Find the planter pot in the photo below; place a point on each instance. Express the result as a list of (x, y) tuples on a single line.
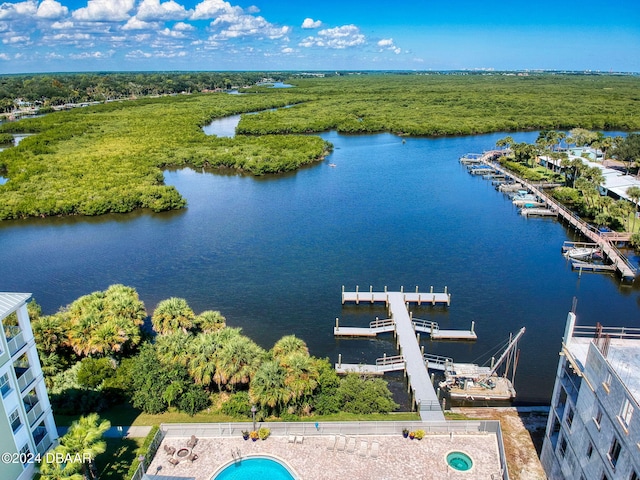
[(405, 434), (246, 437), (254, 439)]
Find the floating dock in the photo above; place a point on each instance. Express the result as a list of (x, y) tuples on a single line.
[(407, 330), (387, 325), (538, 212)]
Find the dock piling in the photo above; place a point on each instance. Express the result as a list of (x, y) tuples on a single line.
[(339, 360), (337, 324), (473, 325)]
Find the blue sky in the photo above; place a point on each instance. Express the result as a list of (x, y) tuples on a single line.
[(91, 35)]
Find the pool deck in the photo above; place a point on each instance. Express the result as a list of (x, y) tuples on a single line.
[(313, 459)]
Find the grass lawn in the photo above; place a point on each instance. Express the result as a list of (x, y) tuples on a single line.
[(126, 415), (114, 463)]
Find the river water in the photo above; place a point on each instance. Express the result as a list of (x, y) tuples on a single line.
[(272, 254)]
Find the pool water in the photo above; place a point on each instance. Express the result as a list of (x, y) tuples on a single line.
[(459, 461), (255, 468)]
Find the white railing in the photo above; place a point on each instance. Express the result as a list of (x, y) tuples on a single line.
[(16, 342), (25, 379), (34, 414), (331, 428)]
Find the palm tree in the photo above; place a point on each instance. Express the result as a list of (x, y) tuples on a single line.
[(171, 315), (80, 333), (201, 358), (48, 332), (287, 345), (173, 348), (634, 195), (210, 321), (52, 470), (84, 439), (236, 361), (268, 387), (301, 374)]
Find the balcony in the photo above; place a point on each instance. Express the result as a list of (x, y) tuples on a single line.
[(41, 439), (15, 338), (33, 407), (25, 377)]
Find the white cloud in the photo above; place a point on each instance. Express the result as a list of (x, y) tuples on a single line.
[(311, 23), (387, 44), (337, 37), (71, 36), (235, 26), (15, 40), (213, 8), (10, 11), (62, 25), (138, 54), (92, 55), (4, 56), (51, 10), (136, 24), (152, 10), (172, 33), (184, 27), (104, 11)]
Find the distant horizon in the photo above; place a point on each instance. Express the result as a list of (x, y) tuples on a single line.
[(336, 72), (57, 36)]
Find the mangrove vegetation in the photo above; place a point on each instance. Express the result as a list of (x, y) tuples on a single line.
[(109, 157)]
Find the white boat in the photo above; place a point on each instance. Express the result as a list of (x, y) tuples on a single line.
[(474, 383), (581, 253)]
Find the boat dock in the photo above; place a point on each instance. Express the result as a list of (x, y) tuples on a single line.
[(622, 265), (420, 326), (591, 267), (411, 358), (538, 212)]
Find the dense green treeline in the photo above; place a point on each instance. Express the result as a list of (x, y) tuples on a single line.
[(95, 353), (456, 105), (61, 88), (108, 158)]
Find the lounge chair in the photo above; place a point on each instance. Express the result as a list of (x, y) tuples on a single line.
[(362, 451), (331, 444), (192, 457), (169, 450), (351, 445), (374, 449), (174, 461), (342, 441), (299, 439), (292, 439), (192, 442)]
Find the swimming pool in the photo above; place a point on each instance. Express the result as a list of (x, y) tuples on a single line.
[(251, 468)]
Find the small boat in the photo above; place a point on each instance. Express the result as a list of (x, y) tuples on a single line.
[(582, 253), (332, 164), (470, 382)]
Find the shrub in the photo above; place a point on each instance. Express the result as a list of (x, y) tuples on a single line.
[(419, 434), (237, 405)]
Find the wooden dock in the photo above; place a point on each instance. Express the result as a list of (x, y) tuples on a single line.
[(407, 330), (592, 267), (622, 265)]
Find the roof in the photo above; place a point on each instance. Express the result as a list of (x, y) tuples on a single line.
[(623, 356), (10, 302)]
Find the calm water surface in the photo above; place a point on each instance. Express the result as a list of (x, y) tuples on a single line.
[(273, 253)]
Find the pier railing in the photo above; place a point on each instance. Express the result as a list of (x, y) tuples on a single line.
[(621, 262), (611, 332)]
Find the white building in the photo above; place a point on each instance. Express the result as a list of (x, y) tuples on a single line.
[(26, 422), (593, 431)]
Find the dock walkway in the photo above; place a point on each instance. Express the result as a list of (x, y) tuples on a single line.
[(621, 263), (412, 359)]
